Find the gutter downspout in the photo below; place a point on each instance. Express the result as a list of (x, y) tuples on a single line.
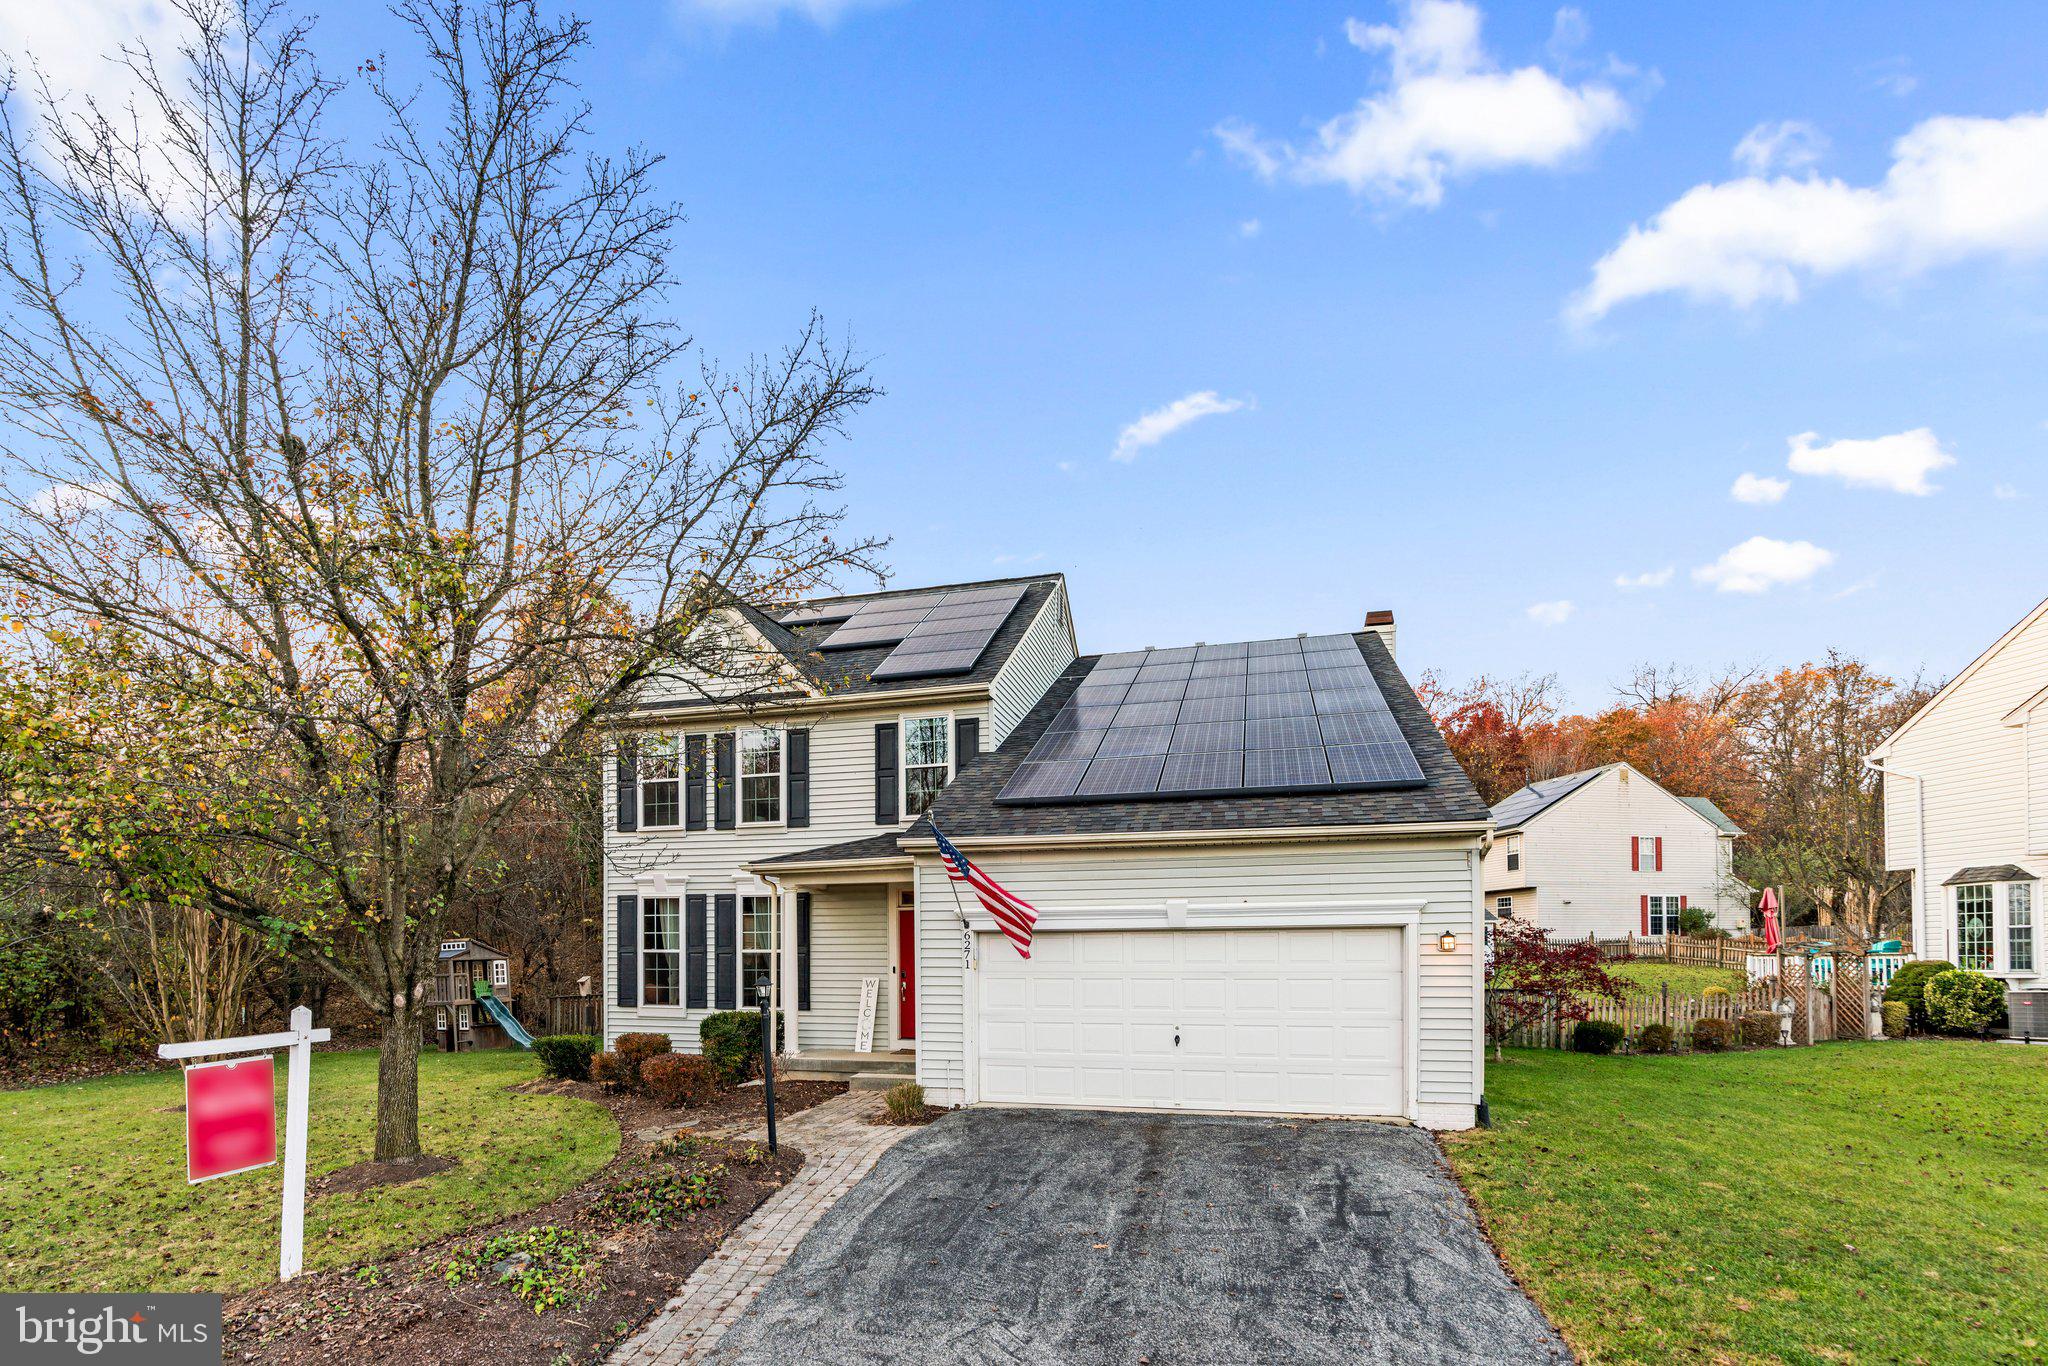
[(1883, 769)]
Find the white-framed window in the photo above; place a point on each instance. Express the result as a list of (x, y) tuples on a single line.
[(757, 948), (2019, 927), (1976, 940), (1504, 907), (462, 1019), (454, 946), (760, 760), (1664, 911), (661, 951), (441, 1021), (661, 781), (1646, 854), (1514, 847), (501, 972), (927, 761)]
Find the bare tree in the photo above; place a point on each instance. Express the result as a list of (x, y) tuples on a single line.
[(371, 465)]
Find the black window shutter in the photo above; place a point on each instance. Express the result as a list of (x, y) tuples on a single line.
[(803, 950), (722, 780), (697, 994), (885, 773), (725, 950), (797, 754), (966, 740), (629, 783), (629, 951), (693, 782)]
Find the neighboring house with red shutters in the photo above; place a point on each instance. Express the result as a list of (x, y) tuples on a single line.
[(1609, 852)]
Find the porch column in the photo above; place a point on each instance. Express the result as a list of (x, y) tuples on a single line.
[(786, 961)]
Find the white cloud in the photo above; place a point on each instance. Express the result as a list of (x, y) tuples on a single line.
[(1651, 578), (1759, 488), (1788, 145), (2006, 493), (1900, 463), (1447, 111), (823, 13), (62, 503), (1552, 613), (1894, 76), (1957, 188), (1154, 427), (1251, 227), (1761, 563)]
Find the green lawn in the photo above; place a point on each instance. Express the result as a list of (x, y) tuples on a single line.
[(93, 1193), (1850, 1202), (1647, 975)]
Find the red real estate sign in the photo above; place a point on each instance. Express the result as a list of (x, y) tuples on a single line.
[(230, 1117)]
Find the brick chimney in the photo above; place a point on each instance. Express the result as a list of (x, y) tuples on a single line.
[(1381, 623)]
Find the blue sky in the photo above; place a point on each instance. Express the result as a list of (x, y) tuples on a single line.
[(1043, 222)]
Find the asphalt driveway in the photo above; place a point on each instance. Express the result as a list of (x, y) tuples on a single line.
[(1039, 1236)]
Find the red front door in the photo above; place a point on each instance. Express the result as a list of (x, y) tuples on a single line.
[(906, 973)]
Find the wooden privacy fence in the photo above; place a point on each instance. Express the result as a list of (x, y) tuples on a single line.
[(1819, 1014), (572, 1015)]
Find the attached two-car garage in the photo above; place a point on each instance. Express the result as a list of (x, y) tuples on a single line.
[(1297, 1020)]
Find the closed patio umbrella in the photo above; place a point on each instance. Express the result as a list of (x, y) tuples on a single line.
[(1769, 906)]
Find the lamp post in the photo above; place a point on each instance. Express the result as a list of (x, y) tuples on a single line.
[(768, 1066)]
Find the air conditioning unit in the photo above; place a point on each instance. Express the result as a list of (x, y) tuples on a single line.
[(2029, 1013)]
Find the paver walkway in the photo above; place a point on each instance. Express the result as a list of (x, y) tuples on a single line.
[(839, 1146)]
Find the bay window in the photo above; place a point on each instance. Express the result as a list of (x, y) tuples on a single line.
[(760, 777), (927, 761), (1974, 937), (661, 951)]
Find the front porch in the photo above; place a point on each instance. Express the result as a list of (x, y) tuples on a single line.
[(841, 969)]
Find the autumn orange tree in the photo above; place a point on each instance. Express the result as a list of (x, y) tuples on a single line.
[(355, 481)]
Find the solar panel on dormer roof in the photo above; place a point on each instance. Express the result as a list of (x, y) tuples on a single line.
[(1303, 714), (934, 633)]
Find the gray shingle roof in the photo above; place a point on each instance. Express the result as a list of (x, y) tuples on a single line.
[(1990, 872), (967, 809), (881, 846), (1713, 813), (844, 672), (1518, 807)]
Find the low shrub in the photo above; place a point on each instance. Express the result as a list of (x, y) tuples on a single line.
[(565, 1057), (732, 1042), (905, 1102), (1656, 1038), (1713, 991), (1713, 1036), (668, 1195), (1909, 985), (677, 1079), (1963, 1002), (1895, 1019), (636, 1049), (608, 1071), (1597, 1036), (1759, 1028), (1694, 921)]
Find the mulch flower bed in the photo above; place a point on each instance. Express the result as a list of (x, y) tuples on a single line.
[(564, 1282)]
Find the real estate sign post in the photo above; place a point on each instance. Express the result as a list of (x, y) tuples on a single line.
[(231, 1117)]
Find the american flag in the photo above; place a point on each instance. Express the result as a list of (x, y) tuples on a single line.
[(1013, 917)]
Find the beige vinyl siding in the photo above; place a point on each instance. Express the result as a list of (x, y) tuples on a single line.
[(1986, 800), (1441, 873), (1575, 854), (849, 941), (1040, 657), (707, 862)]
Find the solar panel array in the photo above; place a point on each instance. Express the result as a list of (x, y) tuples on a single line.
[(1302, 714), (944, 632)]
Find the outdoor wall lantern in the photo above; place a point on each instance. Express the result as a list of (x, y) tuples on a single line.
[(1447, 942)]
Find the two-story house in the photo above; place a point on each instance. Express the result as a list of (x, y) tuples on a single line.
[(1966, 808), (1255, 864), (1608, 852)]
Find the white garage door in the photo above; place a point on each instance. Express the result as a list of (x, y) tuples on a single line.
[(1294, 1021)]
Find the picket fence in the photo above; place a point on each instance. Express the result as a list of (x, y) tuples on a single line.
[(1819, 1013)]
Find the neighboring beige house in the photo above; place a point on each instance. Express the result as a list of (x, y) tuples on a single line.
[(1608, 852), (1966, 808), (1255, 865)]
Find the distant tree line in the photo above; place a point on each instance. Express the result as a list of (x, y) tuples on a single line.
[(1781, 752)]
